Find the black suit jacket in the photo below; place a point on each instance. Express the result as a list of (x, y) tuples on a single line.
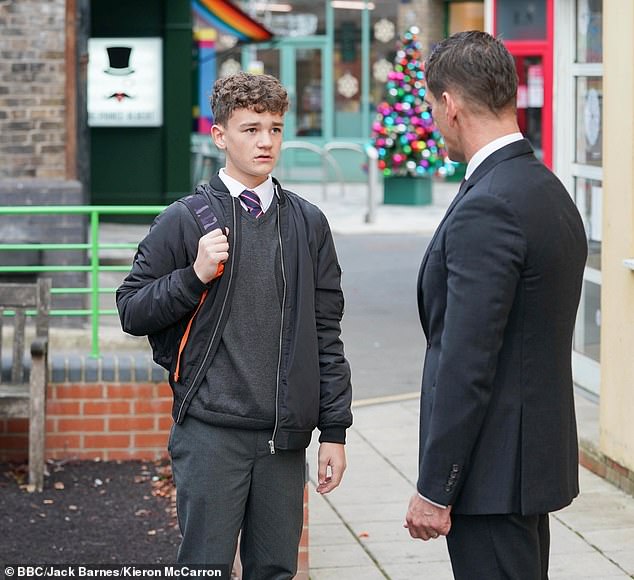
[(498, 292)]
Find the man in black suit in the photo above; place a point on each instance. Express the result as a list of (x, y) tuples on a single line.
[(498, 292)]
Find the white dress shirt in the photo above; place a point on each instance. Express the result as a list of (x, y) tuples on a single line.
[(265, 190)]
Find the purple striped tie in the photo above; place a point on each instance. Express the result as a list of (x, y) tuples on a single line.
[(252, 202)]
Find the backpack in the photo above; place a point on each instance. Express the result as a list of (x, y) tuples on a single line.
[(163, 343)]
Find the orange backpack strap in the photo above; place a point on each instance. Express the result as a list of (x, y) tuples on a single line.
[(199, 207), (185, 336)]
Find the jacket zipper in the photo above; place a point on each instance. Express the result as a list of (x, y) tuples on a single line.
[(279, 356), (213, 336)]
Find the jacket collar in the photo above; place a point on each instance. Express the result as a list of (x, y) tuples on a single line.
[(515, 149), (219, 186)]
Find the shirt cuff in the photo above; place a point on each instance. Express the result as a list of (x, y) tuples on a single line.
[(443, 507)]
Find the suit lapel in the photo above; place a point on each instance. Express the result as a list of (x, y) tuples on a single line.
[(515, 149), (464, 187)]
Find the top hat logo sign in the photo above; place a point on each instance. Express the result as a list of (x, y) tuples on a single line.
[(119, 60)]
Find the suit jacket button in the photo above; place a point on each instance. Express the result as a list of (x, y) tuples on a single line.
[(455, 468), (428, 345), (447, 488)]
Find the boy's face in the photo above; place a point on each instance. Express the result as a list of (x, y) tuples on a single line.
[(251, 142)]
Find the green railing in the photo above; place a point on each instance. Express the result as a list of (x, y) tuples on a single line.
[(92, 248)]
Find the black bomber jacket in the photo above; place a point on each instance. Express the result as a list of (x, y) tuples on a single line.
[(161, 295)]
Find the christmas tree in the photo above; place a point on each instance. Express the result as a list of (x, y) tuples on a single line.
[(404, 133)]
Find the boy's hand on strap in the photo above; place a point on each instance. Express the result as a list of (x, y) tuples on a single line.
[(213, 252)]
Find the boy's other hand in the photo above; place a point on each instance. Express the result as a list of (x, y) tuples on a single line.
[(213, 251), (332, 464)]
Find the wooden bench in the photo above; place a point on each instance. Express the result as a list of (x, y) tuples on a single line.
[(20, 396)]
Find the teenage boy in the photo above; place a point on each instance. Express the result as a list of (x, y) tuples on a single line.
[(247, 319)]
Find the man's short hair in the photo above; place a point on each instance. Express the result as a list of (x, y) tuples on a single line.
[(476, 65), (259, 93)]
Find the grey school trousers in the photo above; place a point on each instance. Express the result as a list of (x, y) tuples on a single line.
[(228, 481)]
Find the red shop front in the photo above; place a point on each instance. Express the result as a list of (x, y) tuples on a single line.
[(526, 27)]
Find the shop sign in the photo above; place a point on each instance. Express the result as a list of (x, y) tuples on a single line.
[(535, 89), (291, 24), (125, 82)]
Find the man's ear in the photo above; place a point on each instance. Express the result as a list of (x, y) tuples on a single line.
[(451, 107), (218, 135)]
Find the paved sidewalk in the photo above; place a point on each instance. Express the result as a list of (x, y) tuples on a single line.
[(357, 531)]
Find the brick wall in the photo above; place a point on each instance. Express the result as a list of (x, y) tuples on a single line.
[(98, 420), (593, 459), (32, 77)]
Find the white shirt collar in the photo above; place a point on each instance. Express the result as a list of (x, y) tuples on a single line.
[(489, 149), (265, 190)]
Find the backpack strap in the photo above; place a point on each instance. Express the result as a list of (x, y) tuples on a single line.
[(201, 211), (204, 216), (206, 219)]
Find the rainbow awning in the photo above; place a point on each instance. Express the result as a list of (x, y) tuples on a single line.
[(225, 16)]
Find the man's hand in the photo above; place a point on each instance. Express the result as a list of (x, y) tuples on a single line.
[(213, 252), (426, 521), (332, 464)]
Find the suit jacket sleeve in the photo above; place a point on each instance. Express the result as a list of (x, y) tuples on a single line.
[(484, 254)]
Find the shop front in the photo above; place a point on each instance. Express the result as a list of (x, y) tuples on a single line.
[(579, 161), (334, 58), (526, 27)]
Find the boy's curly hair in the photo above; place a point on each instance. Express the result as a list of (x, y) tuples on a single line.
[(259, 93)]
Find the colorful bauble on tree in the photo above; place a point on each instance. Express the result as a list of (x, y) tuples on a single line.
[(404, 134)]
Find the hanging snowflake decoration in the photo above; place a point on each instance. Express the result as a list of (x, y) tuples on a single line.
[(226, 41), (229, 67), (381, 69), (384, 30), (347, 85)]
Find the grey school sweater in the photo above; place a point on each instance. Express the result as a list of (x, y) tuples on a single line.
[(239, 387)]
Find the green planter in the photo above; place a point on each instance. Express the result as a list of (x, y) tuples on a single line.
[(458, 175), (407, 190)]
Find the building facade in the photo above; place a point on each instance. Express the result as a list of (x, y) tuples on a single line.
[(575, 62)]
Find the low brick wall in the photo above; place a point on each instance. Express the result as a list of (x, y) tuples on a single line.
[(591, 458), (114, 407), (117, 407), (108, 421)]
